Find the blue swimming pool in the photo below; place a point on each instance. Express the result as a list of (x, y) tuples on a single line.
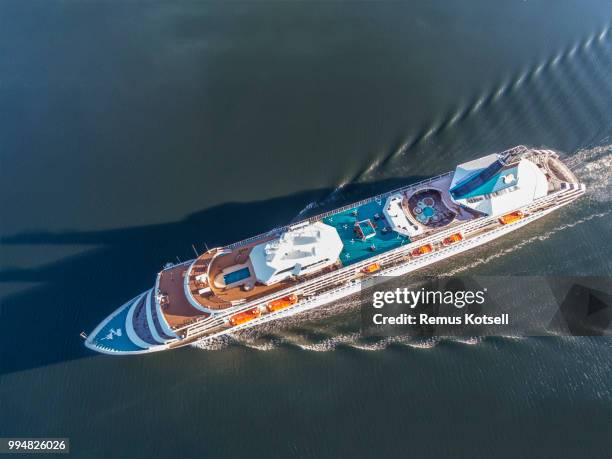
[(474, 188), (236, 276), (366, 228)]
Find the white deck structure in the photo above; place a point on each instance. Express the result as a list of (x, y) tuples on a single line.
[(509, 187), (298, 251), (397, 218)]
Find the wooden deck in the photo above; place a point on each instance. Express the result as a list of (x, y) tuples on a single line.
[(213, 264), (176, 308), (200, 269)]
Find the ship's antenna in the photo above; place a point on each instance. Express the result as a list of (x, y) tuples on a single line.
[(179, 260), (194, 249), (206, 245)]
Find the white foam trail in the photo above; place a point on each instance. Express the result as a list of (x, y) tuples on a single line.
[(573, 51), (371, 168), (328, 344), (309, 206), (429, 133), (355, 341), (501, 91), (352, 341), (590, 154), (455, 117), (367, 172), (378, 345), (402, 149), (602, 35), (593, 167), (477, 105), (215, 344), (407, 341), (519, 81), (266, 346), (334, 195), (326, 200), (471, 341)]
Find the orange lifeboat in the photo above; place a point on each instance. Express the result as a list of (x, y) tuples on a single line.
[(282, 303), (371, 268), (244, 317), (457, 237), (511, 217), (422, 250)]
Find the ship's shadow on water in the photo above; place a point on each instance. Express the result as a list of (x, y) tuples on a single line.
[(41, 324)]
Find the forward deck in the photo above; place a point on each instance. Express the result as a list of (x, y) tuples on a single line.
[(175, 306)]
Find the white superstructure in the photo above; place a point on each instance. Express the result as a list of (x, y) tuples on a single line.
[(493, 187), (397, 217), (297, 251)]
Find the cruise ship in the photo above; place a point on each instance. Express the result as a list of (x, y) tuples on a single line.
[(324, 258)]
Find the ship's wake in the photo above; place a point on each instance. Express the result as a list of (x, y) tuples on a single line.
[(353, 340), (593, 167)]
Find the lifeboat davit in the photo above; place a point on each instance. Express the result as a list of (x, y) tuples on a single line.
[(511, 217), (427, 248), (282, 303), (453, 238), (244, 317)]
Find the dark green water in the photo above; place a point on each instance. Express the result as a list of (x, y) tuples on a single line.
[(130, 130)]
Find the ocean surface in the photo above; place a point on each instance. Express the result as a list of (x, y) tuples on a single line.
[(131, 130)]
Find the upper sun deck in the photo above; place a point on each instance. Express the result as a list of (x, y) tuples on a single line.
[(364, 232), (225, 277)]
